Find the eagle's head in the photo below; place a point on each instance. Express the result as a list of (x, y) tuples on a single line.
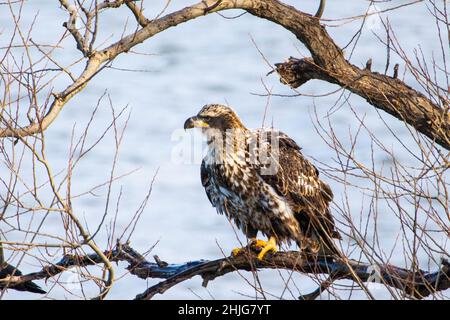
[(215, 116)]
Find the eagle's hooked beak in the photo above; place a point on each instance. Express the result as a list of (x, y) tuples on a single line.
[(195, 122)]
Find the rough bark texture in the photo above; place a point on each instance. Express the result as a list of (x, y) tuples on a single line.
[(328, 63), (415, 283), (8, 271), (383, 92)]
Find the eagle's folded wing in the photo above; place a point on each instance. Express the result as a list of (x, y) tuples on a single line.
[(205, 176), (298, 181)]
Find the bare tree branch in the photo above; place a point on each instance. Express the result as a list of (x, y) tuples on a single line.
[(321, 9), (398, 185), (8, 271), (328, 63), (417, 284), (384, 92)]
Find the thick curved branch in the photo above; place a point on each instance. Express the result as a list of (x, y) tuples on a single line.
[(418, 283), (8, 271), (386, 93), (328, 63), (383, 92), (120, 253), (97, 59)]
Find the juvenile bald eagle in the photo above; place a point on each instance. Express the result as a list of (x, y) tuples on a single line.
[(262, 182)]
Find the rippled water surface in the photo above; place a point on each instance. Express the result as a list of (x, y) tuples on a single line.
[(211, 59)]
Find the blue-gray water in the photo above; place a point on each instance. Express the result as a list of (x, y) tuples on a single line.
[(211, 59)]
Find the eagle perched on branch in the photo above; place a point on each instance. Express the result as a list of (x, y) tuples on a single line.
[(261, 181)]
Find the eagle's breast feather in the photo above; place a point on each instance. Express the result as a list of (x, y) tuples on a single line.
[(288, 202)]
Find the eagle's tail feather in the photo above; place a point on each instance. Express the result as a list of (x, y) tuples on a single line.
[(328, 247), (320, 242), (317, 234)]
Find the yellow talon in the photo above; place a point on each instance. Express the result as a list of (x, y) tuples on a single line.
[(270, 245), (253, 243), (258, 243), (237, 251)]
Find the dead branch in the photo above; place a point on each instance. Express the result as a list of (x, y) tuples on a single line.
[(8, 271), (417, 284), (120, 253), (328, 63), (384, 92)]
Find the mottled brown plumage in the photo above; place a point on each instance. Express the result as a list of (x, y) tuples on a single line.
[(279, 195)]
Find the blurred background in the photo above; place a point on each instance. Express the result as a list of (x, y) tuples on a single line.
[(168, 79)]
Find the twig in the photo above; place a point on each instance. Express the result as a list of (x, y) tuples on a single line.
[(323, 286), (321, 9), (71, 27), (8, 271), (417, 283), (2, 255), (383, 92)]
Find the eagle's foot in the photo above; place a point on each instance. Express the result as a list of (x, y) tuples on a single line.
[(237, 251), (257, 244), (254, 244), (270, 246)]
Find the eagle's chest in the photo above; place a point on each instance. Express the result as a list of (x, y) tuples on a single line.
[(237, 190), (233, 185)]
